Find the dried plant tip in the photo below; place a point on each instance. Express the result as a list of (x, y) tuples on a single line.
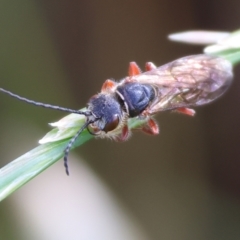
[(198, 37)]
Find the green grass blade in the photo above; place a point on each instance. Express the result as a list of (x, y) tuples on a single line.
[(23, 169)]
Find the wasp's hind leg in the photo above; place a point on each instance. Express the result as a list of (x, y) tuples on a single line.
[(187, 111)]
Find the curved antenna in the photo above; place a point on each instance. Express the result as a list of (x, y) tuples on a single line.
[(87, 113), (71, 142)]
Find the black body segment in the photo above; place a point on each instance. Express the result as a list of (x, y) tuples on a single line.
[(136, 96)]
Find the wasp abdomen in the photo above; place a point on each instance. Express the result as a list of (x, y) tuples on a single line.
[(136, 97)]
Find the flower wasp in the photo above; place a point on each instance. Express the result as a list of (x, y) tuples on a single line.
[(179, 85)]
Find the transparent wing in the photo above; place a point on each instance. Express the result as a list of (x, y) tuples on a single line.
[(189, 81)]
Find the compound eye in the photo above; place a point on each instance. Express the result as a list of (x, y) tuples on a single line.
[(111, 125)]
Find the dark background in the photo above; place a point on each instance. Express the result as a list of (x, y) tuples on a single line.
[(182, 184)]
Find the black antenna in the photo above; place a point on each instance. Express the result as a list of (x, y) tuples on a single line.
[(70, 144), (87, 113)]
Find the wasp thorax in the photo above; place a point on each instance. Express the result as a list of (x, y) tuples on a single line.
[(106, 113), (136, 97)]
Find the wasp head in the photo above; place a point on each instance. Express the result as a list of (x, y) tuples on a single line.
[(107, 115)]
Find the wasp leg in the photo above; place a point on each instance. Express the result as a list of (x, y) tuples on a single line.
[(150, 66), (187, 111), (133, 69), (125, 134), (108, 85), (151, 127)]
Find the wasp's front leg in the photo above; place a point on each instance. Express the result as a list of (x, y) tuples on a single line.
[(108, 86), (124, 135)]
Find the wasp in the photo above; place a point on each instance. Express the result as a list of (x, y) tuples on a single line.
[(178, 86)]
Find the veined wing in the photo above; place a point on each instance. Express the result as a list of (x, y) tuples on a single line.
[(188, 81)]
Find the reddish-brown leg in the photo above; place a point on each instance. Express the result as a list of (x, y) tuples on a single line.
[(133, 69), (150, 66), (108, 84), (124, 135), (187, 111), (151, 127)]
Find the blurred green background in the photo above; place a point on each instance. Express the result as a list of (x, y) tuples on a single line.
[(182, 184)]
